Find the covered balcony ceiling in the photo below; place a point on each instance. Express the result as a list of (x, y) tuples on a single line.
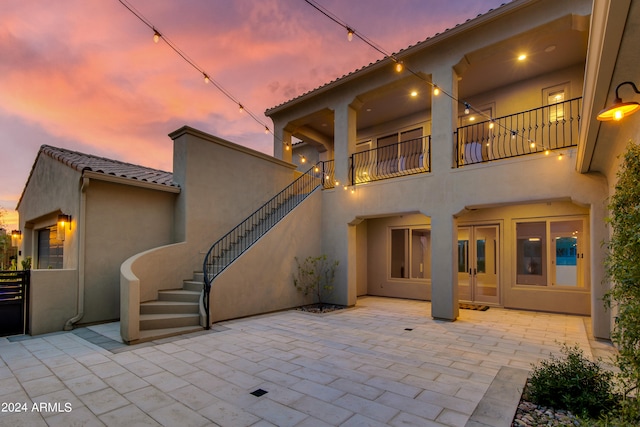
[(553, 46)]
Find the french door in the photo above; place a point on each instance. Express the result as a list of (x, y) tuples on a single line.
[(478, 264)]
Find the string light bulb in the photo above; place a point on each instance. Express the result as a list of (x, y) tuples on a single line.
[(560, 156), (206, 78), (240, 108), (491, 125), (349, 34), (436, 90), (156, 36), (399, 66), (266, 130), (532, 144), (547, 152), (467, 108)]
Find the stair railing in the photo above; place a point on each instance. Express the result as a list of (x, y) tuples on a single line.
[(233, 244)]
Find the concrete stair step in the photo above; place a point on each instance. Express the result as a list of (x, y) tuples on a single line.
[(169, 307), (179, 295), (156, 334), (198, 276), (193, 285), (164, 321)]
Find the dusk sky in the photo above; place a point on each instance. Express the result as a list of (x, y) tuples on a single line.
[(86, 75)]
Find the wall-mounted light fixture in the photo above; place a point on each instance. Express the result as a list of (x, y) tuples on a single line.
[(64, 220), (619, 109), (16, 235)]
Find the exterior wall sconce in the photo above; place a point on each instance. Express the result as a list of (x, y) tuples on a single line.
[(619, 109), (16, 235), (63, 221)]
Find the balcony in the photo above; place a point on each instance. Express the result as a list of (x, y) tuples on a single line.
[(391, 161), (540, 130)]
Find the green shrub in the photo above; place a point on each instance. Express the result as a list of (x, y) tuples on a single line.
[(572, 383), (623, 270)]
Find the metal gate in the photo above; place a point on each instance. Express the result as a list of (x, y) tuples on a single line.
[(14, 299)]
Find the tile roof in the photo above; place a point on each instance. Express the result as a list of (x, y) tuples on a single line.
[(87, 162), (396, 54)]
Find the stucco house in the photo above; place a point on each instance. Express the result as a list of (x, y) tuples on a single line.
[(81, 216), (475, 173)]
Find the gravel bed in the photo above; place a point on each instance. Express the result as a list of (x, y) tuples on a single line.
[(529, 415)]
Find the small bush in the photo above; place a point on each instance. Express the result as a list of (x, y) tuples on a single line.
[(573, 383), (315, 277)]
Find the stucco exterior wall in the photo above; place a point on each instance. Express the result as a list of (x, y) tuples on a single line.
[(121, 221), (222, 183), (53, 189), (52, 299), (559, 299), (377, 258), (261, 280)]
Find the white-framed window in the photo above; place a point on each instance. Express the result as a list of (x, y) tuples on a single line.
[(551, 252), (553, 97), (409, 252)]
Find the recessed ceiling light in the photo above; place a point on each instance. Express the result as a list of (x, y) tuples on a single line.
[(414, 93), (522, 57), (550, 48)]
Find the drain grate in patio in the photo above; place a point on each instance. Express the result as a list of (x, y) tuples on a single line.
[(474, 307), (259, 392)]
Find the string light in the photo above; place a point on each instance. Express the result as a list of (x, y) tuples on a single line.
[(157, 35), (399, 66), (349, 34), (240, 108)]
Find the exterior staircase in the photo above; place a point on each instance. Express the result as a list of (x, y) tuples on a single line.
[(175, 312)]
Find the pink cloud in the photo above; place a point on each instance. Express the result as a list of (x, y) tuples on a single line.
[(86, 75)]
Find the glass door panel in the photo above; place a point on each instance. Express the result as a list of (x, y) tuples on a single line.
[(485, 273), (566, 253), (478, 258), (464, 269)]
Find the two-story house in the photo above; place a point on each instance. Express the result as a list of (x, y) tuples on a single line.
[(468, 168)]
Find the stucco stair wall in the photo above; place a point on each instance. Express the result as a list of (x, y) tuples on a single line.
[(176, 311)]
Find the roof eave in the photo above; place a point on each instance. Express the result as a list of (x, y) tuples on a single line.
[(100, 176), (429, 42)]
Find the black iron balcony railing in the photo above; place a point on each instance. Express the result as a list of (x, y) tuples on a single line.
[(327, 169), (543, 129), (404, 158)]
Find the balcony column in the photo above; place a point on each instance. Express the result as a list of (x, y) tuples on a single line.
[(281, 139), (344, 140), (444, 233)]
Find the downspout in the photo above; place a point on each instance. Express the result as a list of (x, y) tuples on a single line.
[(81, 249)]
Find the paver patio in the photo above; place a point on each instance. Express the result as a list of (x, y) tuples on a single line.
[(383, 362)]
